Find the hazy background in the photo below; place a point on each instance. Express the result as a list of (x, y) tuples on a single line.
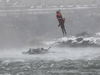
[(25, 23), (20, 27), (46, 2)]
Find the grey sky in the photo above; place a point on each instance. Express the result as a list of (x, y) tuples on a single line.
[(22, 28), (45, 2)]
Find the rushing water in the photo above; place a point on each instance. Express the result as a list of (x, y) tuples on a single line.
[(59, 61), (22, 29)]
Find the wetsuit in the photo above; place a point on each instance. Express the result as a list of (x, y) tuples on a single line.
[(59, 17), (62, 21)]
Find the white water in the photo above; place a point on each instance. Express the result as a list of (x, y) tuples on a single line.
[(55, 54)]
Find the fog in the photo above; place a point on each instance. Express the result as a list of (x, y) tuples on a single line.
[(45, 2), (32, 25), (29, 35), (25, 28), (25, 23), (54, 54)]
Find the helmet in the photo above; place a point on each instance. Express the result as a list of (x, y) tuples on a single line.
[(57, 12)]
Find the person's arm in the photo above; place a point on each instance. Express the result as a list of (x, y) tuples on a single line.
[(64, 20), (59, 25)]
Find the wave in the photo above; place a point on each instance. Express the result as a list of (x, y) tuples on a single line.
[(70, 67), (79, 40)]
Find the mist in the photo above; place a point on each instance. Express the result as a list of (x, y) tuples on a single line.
[(32, 43), (25, 28)]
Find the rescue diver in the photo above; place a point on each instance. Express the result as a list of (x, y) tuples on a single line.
[(61, 22)]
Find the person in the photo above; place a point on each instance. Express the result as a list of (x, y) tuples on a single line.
[(62, 21), (59, 16)]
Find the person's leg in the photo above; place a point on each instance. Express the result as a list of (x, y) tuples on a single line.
[(62, 30), (65, 31), (58, 25), (59, 22)]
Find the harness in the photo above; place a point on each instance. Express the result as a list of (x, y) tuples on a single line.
[(59, 16)]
